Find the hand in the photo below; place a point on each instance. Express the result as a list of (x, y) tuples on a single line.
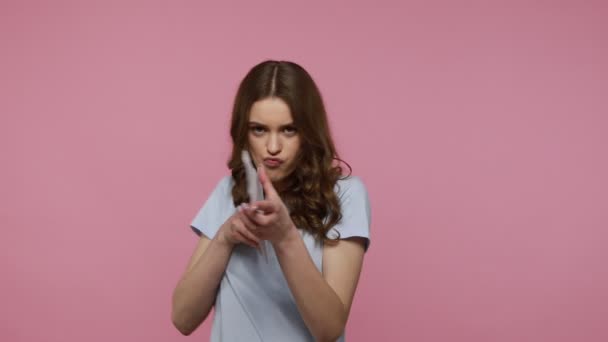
[(268, 219), (234, 231)]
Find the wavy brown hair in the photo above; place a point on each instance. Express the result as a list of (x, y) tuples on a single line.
[(308, 191)]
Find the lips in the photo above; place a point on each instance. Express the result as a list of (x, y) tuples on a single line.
[(273, 162)]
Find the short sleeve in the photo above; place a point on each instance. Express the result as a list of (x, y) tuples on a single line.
[(356, 210), (212, 214)]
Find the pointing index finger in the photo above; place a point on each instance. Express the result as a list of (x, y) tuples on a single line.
[(264, 207)]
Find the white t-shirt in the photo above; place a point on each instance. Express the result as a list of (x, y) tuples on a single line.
[(254, 302)]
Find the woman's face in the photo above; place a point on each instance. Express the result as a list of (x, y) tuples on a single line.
[(273, 139)]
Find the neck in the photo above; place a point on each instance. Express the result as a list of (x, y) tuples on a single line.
[(279, 186)]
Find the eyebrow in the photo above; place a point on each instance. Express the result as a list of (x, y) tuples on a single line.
[(255, 123)]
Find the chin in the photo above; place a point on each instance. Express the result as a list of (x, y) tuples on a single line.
[(275, 176), (275, 179)]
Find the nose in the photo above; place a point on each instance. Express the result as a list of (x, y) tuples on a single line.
[(273, 145)]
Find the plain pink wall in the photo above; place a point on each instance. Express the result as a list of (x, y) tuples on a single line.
[(480, 129)]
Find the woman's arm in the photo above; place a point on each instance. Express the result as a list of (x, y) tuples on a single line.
[(324, 300), (195, 292)]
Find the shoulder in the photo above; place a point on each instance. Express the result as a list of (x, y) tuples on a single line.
[(223, 187), (355, 210), (349, 186), (216, 209), (225, 183), (221, 195)]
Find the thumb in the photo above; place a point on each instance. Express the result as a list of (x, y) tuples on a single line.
[(266, 183)]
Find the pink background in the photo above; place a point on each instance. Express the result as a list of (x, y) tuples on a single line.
[(479, 128)]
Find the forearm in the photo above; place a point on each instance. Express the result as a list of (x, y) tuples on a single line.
[(195, 293), (318, 304)]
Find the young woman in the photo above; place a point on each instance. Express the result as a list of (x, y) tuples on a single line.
[(315, 220)]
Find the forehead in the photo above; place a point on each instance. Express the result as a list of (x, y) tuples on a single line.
[(271, 111)]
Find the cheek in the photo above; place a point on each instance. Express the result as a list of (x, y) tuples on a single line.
[(255, 149), (294, 147)]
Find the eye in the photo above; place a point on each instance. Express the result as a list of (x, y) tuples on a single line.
[(257, 130), (290, 130)]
